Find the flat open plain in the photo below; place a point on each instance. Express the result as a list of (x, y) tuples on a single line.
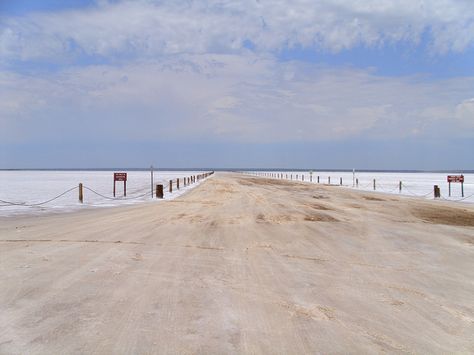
[(242, 265)]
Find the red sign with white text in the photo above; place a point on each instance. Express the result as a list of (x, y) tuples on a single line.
[(120, 176), (456, 178)]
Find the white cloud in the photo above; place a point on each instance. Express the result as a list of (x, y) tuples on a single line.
[(140, 29), (244, 98), (465, 112)]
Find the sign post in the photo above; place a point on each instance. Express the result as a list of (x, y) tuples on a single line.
[(121, 177), (456, 178)]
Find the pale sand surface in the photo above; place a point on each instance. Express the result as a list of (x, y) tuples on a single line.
[(242, 265)]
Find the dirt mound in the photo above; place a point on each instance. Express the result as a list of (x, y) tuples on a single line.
[(443, 215), (264, 182)]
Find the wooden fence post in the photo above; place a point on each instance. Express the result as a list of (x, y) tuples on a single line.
[(374, 184), (177, 184), (436, 191), (159, 191), (340, 181), (81, 193), (399, 186), (171, 186)]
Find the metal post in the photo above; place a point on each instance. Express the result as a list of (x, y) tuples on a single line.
[(462, 189), (449, 183)]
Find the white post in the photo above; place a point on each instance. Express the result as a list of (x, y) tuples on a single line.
[(151, 176)]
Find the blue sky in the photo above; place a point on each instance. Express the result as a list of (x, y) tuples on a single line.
[(372, 84)]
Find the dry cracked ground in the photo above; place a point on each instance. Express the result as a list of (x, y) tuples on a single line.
[(242, 265)]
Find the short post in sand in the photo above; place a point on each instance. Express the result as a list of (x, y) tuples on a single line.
[(171, 186), (81, 193), (318, 179), (357, 182), (177, 184), (374, 184), (329, 180), (400, 187), (436, 191), (340, 181), (159, 191)]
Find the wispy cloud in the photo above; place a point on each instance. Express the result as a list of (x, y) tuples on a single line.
[(234, 98), (138, 29)]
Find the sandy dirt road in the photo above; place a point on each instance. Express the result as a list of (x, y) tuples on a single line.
[(242, 265)]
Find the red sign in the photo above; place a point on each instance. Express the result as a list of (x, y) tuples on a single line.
[(456, 178), (120, 176)]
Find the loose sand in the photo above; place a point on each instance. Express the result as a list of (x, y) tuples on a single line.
[(242, 265)]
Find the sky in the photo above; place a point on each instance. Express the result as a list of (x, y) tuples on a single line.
[(328, 84)]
